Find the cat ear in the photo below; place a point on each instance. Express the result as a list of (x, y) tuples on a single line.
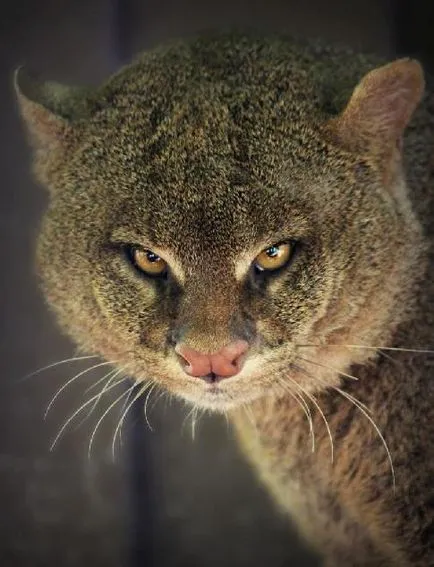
[(48, 108), (380, 108)]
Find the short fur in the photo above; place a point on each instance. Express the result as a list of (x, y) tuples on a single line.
[(208, 151)]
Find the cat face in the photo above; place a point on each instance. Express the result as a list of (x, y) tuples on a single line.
[(168, 217)]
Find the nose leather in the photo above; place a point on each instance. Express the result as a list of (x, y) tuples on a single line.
[(224, 363)]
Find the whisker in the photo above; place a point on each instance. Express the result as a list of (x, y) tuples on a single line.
[(328, 368), (114, 373), (193, 422), (124, 405), (154, 385), (92, 437), (304, 406), (377, 429), (108, 382), (62, 388), (53, 364), (98, 382), (187, 415), (71, 417), (365, 412), (396, 349), (225, 413), (126, 410), (167, 401), (249, 412), (300, 368), (321, 412), (161, 394), (250, 419), (384, 355)]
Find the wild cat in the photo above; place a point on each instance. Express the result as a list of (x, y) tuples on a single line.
[(246, 221)]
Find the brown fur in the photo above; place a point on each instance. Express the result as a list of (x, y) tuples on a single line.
[(206, 150)]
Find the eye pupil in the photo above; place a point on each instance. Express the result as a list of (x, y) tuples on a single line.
[(152, 257), (272, 252)]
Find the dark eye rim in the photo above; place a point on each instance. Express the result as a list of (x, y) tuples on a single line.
[(295, 248), (129, 250)]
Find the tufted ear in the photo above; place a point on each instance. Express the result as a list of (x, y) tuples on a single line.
[(380, 108), (48, 108)]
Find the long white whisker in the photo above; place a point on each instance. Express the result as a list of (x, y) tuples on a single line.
[(110, 381), (62, 388), (98, 382), (126, 410), (193, 422), (167, 401), (146, 405), (301, 369), (304, 406), (113, 373), (124, 405), (187, 415), (365, 412), (318, 407), (396, 349), (161, 394), (71, 417), (328, 367), (249, 412), (53, 364), (250, 419), (92, 437), (375, 426), (227, 421)]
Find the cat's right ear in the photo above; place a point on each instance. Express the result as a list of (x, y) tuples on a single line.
[(50, 112), (379, 110), (48, 108)]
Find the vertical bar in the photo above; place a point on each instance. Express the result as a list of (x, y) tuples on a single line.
[(142, 502)]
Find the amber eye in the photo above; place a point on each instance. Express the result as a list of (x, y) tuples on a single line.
[(274, 257), (147, 261)]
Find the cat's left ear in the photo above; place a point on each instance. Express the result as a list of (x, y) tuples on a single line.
[(48, 109), (380, 109)]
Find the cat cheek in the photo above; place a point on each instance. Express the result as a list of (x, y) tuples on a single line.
[(156, 335)]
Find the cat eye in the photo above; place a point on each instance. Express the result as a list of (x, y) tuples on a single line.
[(274, 257), (147, 261)]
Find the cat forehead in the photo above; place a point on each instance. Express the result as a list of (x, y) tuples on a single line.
[(212, 223), (207, 161), (205, 108), (208, 215), (211, 200)]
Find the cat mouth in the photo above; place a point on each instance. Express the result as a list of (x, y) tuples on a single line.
[(213, 379), (217, 396), (213, 396), (217, 392)]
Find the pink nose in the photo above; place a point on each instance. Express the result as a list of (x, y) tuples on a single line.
[(222, 364)]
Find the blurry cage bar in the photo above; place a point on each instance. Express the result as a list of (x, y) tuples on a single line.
[(142, 503)]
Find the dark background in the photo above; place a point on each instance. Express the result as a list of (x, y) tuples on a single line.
[(164, 499)]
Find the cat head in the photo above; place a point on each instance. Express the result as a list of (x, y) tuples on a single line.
[(207, 218)]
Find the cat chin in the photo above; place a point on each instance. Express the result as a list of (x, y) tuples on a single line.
[(217, 400)]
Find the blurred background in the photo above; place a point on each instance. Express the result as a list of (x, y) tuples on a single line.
[(162, 499)]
